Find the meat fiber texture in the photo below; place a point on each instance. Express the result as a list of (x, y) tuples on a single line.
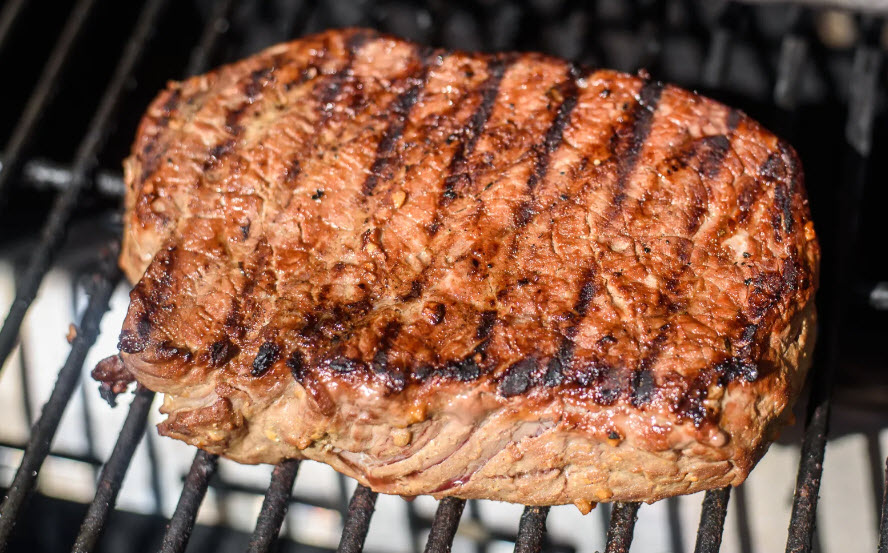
[(484, 276)]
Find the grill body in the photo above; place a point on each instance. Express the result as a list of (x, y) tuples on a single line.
[(83, 73)]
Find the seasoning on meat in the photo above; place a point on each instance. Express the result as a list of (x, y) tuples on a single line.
[(484, 276)]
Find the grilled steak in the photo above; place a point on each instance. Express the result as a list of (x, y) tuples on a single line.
[(486, 276)]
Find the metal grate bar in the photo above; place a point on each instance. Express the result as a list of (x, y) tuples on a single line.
[(444, 527), (225, 486), (793, 53), (622, 525), (134, 427), (274, 507), (883, 525), (44, 91), (531, 530), (712, 521), (217, 25), (357, 521), (45, 428), (10, 13), (179, 530), (804, 508), (67, 455), (54, 230), (114, 470)]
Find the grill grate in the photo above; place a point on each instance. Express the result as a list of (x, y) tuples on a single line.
[(499, 25)]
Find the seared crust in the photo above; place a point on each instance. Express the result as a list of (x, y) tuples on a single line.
[(499, 277)]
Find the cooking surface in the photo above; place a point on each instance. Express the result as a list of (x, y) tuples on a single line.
[(789, 69)]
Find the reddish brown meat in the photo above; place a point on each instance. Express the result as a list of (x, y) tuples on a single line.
[(498, 276)]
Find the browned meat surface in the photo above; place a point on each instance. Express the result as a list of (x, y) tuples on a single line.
[(484, 276)]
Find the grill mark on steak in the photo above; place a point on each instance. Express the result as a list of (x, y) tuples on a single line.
[(327, 90), (628, 141), (395, 380), (151, 154), (563, 358), (150, 296), (456, 173), (551, 142), (642, 385), (398, 114)]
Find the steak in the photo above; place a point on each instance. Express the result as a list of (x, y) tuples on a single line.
[(485, 276)]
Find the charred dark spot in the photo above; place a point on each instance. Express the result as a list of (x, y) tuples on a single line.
[(360, 307), (613, 435), (518, 377), (607, 339), (318, 194), (607, 396), (733, 119), (415, 290), (783, 205), (774, 168), (589, 374), (488, 319), (232, 120), (380, 361), (268, 354), (560, 363), (464, 370), (292, 171), (167, 351), (135, 342), (641, 389), (343, 365), (587, 292), (297, 365), (245, 231), (439, 311), (218, 152), (523, 281), (257, 80), (735, 369), (553, 376), (222, 352), (524, 214)]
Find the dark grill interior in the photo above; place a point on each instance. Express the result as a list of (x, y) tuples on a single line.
[(78, 76)]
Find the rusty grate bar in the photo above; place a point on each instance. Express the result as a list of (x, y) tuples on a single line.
[(44, 91), (357, 521), (274, 507), (63, 207), (10, 13), (43, 431), (622, 525), (861, 111), (712, 521), (179, 530), (532, 530), (134, 427), (113, 472), (444, 527), (883, 523)]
